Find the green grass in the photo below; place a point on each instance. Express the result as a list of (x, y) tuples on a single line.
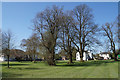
[(89, 69)]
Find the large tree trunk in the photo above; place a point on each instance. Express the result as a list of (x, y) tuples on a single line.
[(81, 56), (51, 58), (8, 60), (81, 59), (30, 58), (115, 58), (34, 58), (115, 55), (69, 49), (70, 58)]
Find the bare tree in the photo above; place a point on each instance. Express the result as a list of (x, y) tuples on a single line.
[(25, 44), (110, 33), (46, 44), (85, 29), (31, 45), (66, 32), (7, 44), (34, 43), (49, 21)]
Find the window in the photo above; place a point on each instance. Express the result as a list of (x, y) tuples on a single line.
[(77, 54), (77, 57)]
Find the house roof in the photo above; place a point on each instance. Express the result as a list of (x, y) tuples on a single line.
[(17, 52), (104, 53)]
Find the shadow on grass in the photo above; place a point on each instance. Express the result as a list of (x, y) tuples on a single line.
[(87, 63), (10, 75), (20, 68), (14, 64), (33, 68)]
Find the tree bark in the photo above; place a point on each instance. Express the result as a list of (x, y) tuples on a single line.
[(34, 58), (81, 57), (53, 58), (70, 58), (115, 56), (31, 59), (8, 61)]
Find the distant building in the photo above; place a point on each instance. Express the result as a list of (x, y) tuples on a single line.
[(2, 57), (105, 55), (63, 57), (86, 56), (13, 55)]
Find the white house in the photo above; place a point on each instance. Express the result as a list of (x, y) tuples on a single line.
[(1, 57), (86, 56), (105, 55)]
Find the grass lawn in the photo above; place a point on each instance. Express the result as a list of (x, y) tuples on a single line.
[(89, 69)]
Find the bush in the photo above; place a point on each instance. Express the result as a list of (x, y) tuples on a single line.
[(73, 58)]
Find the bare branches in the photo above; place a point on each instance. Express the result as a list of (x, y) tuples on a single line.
[(107, 28), (7, 43), (7, 40), (31, 45), (48, 24), (85, 28)]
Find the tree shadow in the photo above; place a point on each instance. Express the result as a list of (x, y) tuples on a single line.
[(10, 75), (33, 68), (14, 64), (20, 68), (87, 63)]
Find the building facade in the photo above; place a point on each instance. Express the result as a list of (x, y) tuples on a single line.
[(105, 55), (86, 56)]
